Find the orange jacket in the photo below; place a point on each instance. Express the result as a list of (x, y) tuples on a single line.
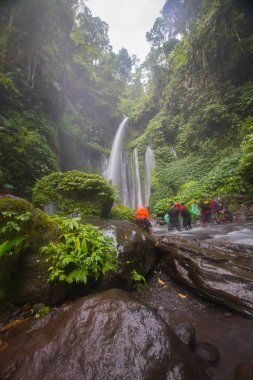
[(141, 212)]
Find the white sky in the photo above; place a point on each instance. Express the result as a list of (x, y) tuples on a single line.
[(128, 21)]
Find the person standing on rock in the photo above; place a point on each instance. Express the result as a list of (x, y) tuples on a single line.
[(215, 208), (186, 215), (205, 211), (174, 222), (141, 218)]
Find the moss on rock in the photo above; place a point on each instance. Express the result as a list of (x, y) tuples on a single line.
[(74, 191), (24, 272)]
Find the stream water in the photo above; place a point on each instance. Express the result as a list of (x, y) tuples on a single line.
[(234, 233)]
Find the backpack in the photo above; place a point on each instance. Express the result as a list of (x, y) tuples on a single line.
[(167, 218)]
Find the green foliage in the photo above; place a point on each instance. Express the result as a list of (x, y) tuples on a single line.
[(190, 190), (42, 312), (161, 206), (138, 279), (121, 212), (200, 95), (29, 155), (74, 191), (82, 253), (246, 159), (226, 176), (22, 224), (7, 245)]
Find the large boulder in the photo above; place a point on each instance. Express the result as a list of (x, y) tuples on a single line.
[(223, 274), (24, 273), (110, 335), (136, 251)]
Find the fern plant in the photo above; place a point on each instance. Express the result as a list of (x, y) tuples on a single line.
[(81, 253)]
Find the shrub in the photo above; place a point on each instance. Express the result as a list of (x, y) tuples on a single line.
[(121, 212), (18, 219), (74, 191), (161, 207), (81, 253)]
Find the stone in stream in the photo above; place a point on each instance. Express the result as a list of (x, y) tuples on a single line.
[(207, 353), (186, 333), (110, 335), (221, 273)]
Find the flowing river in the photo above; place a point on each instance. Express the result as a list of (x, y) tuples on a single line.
[(235, 233)]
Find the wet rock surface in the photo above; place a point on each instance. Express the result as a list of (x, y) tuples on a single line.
[(186, 333), (136, 251), (24, 278), (229, 332), (207, 353), (110, 335), (220, 273)]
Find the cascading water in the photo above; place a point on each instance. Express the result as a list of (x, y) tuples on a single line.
[(104, 165), (149, 165), (124, 173), (114, 171), (173, 151), (137, 177)]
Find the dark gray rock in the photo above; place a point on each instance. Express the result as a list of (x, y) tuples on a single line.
[(186, 333), (166, 316), (207, 353), (221, 273), (110, 335), (24, 277), (136, 251)]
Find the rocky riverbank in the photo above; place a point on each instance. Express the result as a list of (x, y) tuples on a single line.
[(229, 332)]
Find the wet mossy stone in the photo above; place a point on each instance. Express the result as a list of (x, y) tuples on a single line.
[(186, 333), (24, 273), (207, 353), (75, 192)]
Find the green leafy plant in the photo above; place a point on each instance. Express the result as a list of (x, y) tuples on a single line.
[(138, 279), (82, 252), (121, 212), (7, 245), (75, 191), (14, 220), (42, 312)]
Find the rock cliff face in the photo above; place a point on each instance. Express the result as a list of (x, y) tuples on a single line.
[(221, 273), (109, 335)]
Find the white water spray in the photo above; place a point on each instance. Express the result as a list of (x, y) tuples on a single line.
[(137, 176), (115, 162), (149, 165)]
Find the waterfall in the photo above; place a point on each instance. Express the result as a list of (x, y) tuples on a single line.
[(115, 163), (124, 173), (104, 165), (137, 177), (173, 151), (149, 165), (125, 180)]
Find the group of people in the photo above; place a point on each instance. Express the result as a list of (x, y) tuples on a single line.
[(179, 216), (204, 211)]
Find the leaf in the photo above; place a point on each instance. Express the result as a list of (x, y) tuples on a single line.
[(84, 247), (182, 295), (3, 345), (7, 245), (161, 282), (13, 324)]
